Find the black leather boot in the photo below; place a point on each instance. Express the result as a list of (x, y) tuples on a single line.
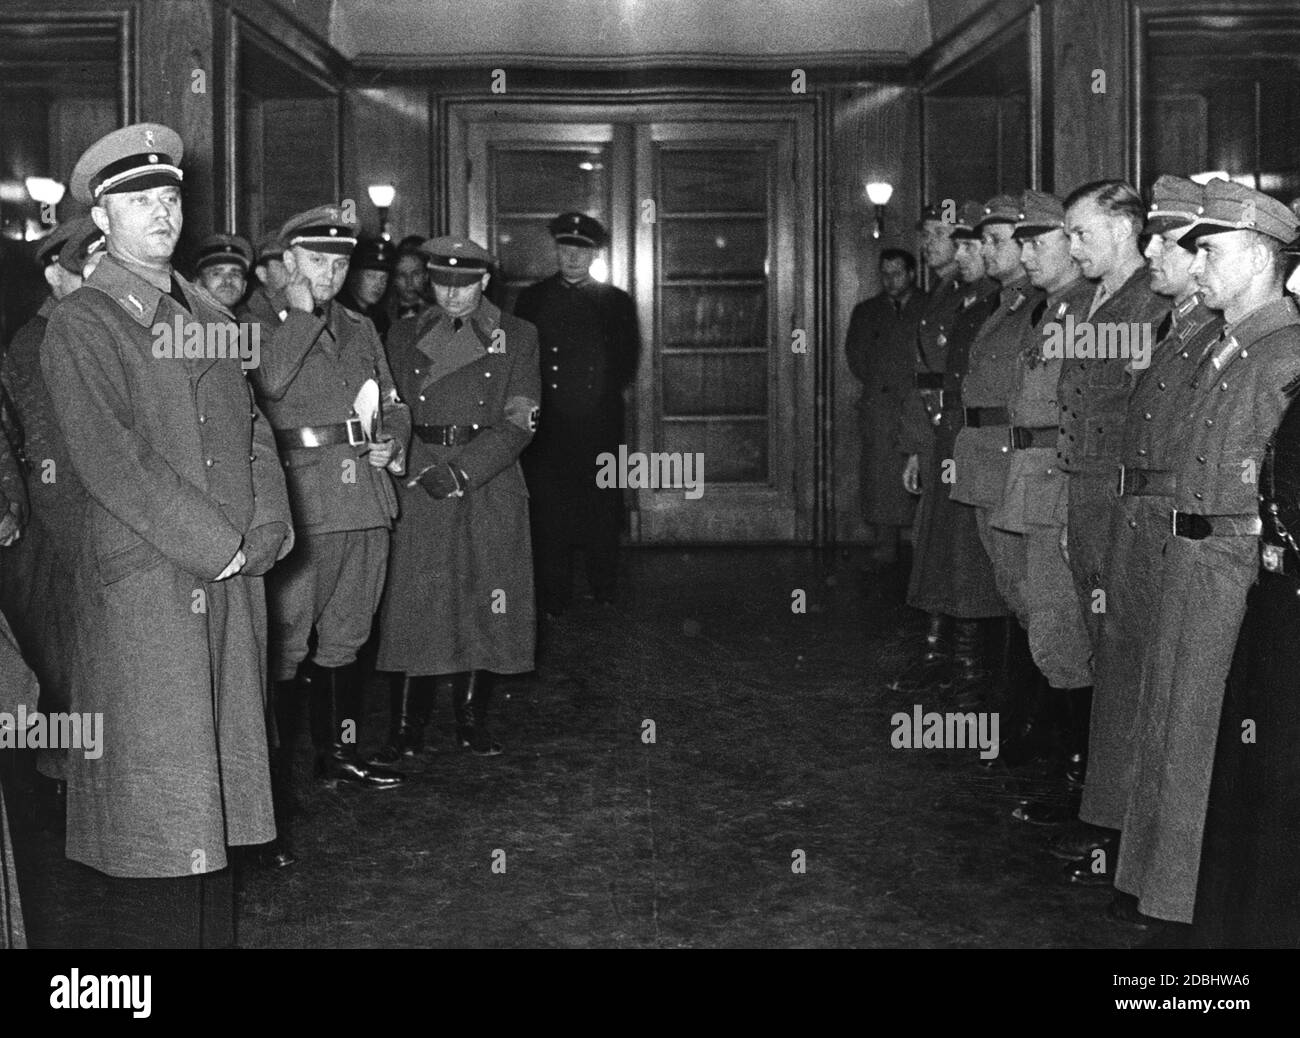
[(457, 686), (410, 700), (478, 697), (336, 701), (285, 698), (1072, 707), (971, 680), (933, 668), (1027, 711)]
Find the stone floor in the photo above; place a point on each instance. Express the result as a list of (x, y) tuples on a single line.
[(771, 736)]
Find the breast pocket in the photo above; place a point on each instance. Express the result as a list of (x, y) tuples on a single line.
[(1102, 436)]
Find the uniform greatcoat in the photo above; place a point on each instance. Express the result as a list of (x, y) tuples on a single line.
[(951, 572), (460, 590), (1139, 528), (881, 346), (1242, 388), (1093, 400), (181, 472)]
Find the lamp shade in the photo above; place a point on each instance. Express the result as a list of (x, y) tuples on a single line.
[(382, 195), (880, 192), (45, 190)]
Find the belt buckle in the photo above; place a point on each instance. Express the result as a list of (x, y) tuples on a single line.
[(1271, 557), (1173, 522), (1119, 489), (359, 438)]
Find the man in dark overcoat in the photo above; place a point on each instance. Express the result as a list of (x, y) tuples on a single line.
[(459, 606), (187, 511), (1242, 387), (589, 345), (881, 349)]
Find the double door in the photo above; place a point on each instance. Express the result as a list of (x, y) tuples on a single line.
[(709, 220)]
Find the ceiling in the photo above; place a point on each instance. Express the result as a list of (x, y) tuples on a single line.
[(609, 31)]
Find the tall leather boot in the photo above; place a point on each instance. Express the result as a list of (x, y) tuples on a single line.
[(971, 680), (285, 700), (1073, 706), (478, 697), (410, 700), (933, 668), (1027, 710), (336, 700)]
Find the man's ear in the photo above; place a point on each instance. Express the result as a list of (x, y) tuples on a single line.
[(483, 282), (290, 262), (100, 215), (52, 277), (261, 272)]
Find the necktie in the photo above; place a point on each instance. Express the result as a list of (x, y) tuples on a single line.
[(1037, 315), (457, 324), (1165, 325)]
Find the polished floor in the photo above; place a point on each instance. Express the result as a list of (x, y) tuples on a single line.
[(771, 736)]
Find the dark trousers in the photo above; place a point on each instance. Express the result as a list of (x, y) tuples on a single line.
[(177, 912), (569, 515)]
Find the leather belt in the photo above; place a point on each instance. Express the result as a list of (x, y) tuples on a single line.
[(1195, 527), (982, 417), (1145, 483), (929, 380), (349, 432), (447, 435), (1025, 437)]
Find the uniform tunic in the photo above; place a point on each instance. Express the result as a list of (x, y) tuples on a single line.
[(1093, 399), (312, 366), (37, 570), (1248, 894), (921, 406), (460, 595), (881, 350), (1243, 387), (951, 572), (590, 345), (1034, 504), (181, 472), (982, 456), (1139, 528)]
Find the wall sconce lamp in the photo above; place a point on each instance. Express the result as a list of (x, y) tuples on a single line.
[(44, 190), (880, 192), (382, 195)]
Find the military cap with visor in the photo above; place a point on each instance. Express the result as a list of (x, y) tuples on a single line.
[(69, 244), (134, 158), (269, 247), (1231, 207), (327, 228), (578, 229), (454, 261), (224, 248), (969, 215), (999, 209), (1175, 202), (1039, 213), (374, 254)]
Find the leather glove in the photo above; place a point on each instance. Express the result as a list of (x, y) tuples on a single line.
[(442, 480), (262, 548)]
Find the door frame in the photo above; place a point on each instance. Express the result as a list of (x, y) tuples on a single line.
[(805, 419)]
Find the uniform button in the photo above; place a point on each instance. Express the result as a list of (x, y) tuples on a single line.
[(421, 399), (555, 367), (202, 418), (1133, 524), (1160, 385), (1244, 354), (555, 349), (481, 404), (1199, 496), (554, 386), (1049, 470), (487, 374), (1224, 387), (1005, 450), (1201, 458), (417, 371), (252, 457), (1209, 421), (1146, 415), (1183, 355), (1142, 452), (209, 463)]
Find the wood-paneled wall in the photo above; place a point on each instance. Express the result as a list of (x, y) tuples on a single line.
[(386, 141)]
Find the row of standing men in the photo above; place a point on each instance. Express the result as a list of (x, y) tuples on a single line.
[(165, 486), (1129, 502)]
